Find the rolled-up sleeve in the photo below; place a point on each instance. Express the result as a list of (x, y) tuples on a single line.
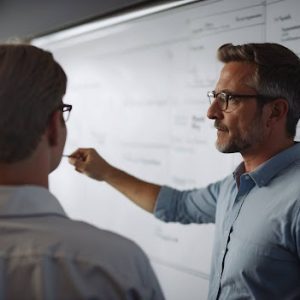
[(296, 227), (191, 206)]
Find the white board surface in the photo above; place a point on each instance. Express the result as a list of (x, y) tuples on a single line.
[(139, 94)]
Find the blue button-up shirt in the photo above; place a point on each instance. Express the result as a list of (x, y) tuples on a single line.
[(257, 238)]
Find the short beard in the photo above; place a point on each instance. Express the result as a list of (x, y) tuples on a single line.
[(234, 146), (243, 142)]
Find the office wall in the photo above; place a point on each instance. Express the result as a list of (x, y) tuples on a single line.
[(139, 95)]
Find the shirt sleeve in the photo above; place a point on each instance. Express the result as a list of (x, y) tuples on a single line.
[(297, 231), (149, 287), (191, 206)]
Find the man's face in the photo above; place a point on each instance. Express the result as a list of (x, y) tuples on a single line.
[(240, 129)]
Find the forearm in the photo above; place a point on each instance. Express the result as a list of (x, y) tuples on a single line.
[(89, 162), (142, 193)]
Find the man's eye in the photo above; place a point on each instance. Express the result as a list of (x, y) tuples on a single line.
[(233, 100), (221, 98)]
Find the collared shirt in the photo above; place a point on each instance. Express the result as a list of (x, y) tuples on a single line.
[(46, 255), (257, 237)]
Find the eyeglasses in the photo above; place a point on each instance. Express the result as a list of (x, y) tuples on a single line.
[(228, 102), (66, 110)]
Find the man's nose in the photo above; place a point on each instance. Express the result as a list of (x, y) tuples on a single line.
[(214, 111)]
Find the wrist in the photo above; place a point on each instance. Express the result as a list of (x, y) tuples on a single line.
[(109, 174)]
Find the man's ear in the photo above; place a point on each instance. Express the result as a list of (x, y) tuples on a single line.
[(52, 129), (279, 109)]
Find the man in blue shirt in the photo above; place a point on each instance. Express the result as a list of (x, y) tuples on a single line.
[(255, 107)]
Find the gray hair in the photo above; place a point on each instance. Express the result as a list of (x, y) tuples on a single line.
[(277, 74)]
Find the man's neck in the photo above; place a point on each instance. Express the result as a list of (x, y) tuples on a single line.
[(255, 157), (9, 177), (31, 171)]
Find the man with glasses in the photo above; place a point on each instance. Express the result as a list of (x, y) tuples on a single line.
[(43, 253), (255, 108)]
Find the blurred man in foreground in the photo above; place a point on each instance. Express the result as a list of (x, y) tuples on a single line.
[(45, 254)]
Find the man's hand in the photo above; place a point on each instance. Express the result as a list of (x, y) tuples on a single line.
[(90, 163)]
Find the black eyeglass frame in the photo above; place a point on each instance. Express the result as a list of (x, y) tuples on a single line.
[(212, 96), (66, 108)]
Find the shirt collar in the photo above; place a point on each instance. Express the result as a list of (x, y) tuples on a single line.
[(270, 168), (21, 201)]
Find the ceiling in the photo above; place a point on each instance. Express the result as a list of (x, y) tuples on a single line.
[(24, 19)]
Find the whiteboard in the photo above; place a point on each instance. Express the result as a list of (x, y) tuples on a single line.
[(138, 90)]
